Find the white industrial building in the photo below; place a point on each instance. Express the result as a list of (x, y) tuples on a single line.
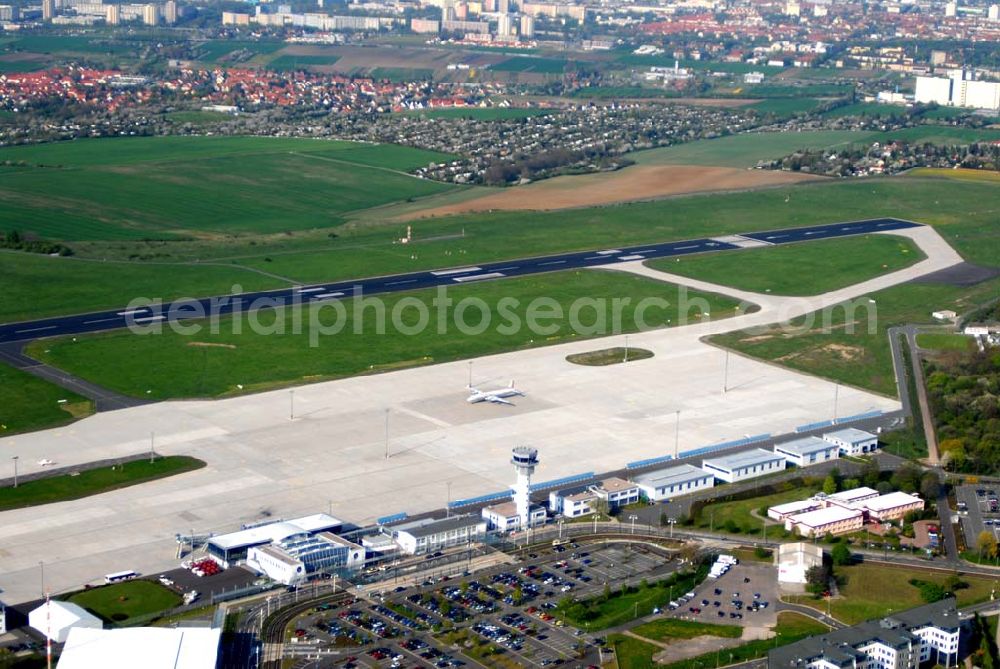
[(853, 441), (893, 506), (829, 520), (807, 451), (745, 465), (232, 549), (54, 619), (843, 512), (780, 512), (672, 482), (505, 517), (148, 647), (296, 558), (579, 501), (794, 560), (430, 535), (959, 89), (851, 497)]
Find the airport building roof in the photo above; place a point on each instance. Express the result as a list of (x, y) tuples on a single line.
[(890, 501), (821, 517), (754, 456), (662, 478), (441, 525), (149, 647), (852, 495), (276, 531), (615, 484), (804, 446), (796, 507), (851, 435)]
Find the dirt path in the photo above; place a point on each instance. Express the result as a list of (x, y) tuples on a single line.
[(639, 182)]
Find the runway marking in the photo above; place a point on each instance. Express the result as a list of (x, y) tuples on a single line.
[(646, 251), (848, 229), (596, 258), (816, 232), (632, 257), (311, 290), (132, 311), (100, 320), (685, 248), (609, 252), (775, 236), (397, 283), (423, 416), (506, 269), (882, 225), (448, 272), (551, 262), (148, 318), (477, 277), (326, 296), (47, 327)]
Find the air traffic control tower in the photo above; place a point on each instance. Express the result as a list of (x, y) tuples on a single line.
[(525, 460)]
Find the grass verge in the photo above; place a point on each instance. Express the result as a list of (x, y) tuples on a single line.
[(609, 356), (30, 403), (121, 602)]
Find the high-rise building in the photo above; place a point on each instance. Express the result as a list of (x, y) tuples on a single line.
[(503, 6), (993, 13), (958, 90), (505, 26), (170, 12), (113, 15), (951, 8), (525, 460), (48, 9), (9, 13), (151, 14), (527, 26)]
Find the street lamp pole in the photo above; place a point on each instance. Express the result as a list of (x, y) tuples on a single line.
[(14, 458), (632, 517), (677, 434), (387, 433)]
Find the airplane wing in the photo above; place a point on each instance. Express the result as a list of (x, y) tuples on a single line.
[(498, 400)]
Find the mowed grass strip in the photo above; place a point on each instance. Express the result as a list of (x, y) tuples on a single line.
[(741, 512), (66, 487), (943, 341), (780, 270), (667, 629), (745, 150), (29, 403), (207, 365), (120, 602)]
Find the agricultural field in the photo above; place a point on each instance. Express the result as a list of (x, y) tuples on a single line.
[(300, 62), (778, 270), (208, 365), (785, 106), (145, 189), (29, 403), (616, 92), (215, 50), (944, 341), (866, 109), (401, 73), (746, 150), (121, 602)]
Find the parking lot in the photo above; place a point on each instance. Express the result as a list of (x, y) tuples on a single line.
[(448, 622), (979, 509), (746, 595)]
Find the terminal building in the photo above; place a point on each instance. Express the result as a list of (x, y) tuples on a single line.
[(926, 635), (744, 465), (580, 501), (673, 482), (232, 549), (299, 557), (425, 536), (150, 647), (853, 441), (807, 451)]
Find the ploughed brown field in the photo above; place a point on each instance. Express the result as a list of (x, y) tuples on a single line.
[(638, 182)]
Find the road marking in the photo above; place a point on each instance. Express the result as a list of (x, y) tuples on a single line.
[(646, 251), (882, 225), (632, 257), (447, 272), (506, 269), (311, 290), (847, 229), (148, 318), (685, 248), (477, 277), (775, 236), (397, 283), (132, 311), (595, 258), (551, 262), (47, 327), (817, 232), (100, 320), (609, 252), (326, 295)]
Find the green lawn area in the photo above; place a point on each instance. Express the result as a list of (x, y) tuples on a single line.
[(779, 269), (872, 591), (299, 62), (258, 186), (531, 64), (866, 109), (214, 50), (960, 175), (725, 516), (934, 341), (940, 134), (401, 73), (29, 403), (189, 368), (600, 612), (745, 150), (635, 654), (65, 487), (785, 106), (122, 601), (611, 92), (668, 628), (823, 344)]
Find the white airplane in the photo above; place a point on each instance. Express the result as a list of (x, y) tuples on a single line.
[(494, 396), (45, 462)]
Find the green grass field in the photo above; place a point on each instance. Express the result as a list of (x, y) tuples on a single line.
[(401, 73), (779, 269), (137, 189), (872, 591), (214, 50), (531, 64), (785, 106), (945, 342), (740, 512), (632, 653), (299, 62), (29, 403), (120, 602), (866, 109), (64, 487), (746, 150), (612, 92), (665, 629), (205, 365)]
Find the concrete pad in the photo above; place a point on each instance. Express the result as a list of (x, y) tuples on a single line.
[(332, 457)]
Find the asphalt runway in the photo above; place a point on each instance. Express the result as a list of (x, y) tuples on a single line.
[(186, 309)]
